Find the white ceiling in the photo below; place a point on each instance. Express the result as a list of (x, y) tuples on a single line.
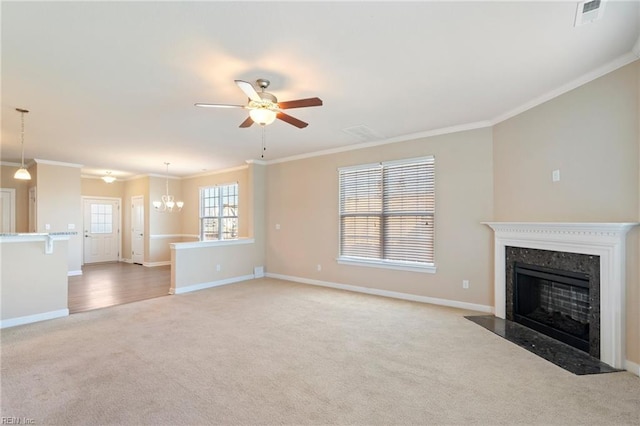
[(111, 85)]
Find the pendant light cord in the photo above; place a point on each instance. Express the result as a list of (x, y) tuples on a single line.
[(22, 113), (167, 179)]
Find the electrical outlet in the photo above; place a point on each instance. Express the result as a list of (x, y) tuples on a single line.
[(319, 267), (465, 283), (218, 268), (47, 226), (277, 226), (555, 175)]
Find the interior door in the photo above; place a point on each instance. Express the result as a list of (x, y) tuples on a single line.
[(101, 230), (32, 209), (137, 229), (7, 210)]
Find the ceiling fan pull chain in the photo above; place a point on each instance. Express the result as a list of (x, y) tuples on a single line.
[(264, 143)]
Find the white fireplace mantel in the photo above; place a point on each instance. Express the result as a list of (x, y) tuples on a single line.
[(606, 240)]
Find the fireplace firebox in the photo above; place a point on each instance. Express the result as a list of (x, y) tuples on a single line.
[(554, 302)]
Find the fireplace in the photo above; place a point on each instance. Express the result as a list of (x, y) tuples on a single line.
[(554, 302), (556, 293), (605, 241)]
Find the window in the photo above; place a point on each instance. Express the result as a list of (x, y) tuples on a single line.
[(101, 218), (219, 212), (387, 214)]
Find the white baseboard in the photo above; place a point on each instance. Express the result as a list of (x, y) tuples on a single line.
[(126, 260), (632, 367), (12, 322), (152, 264), (210, 284), (74, 273), (387, 293)]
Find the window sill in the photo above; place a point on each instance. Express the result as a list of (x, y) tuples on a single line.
[(386, 264)]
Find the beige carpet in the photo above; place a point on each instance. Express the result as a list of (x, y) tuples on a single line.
[(274, 352)]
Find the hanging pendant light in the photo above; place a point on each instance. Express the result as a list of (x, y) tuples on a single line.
[(168, 204), (22, 173)]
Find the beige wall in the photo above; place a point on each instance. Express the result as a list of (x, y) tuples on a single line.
[(302, 197), (633, 292), (59, 204), (256, 211), (196, 264), (592, 135), (191, 193), (22, 195), (91, 187), (32, 282)]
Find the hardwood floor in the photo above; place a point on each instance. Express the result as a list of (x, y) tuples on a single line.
[(109, 284)]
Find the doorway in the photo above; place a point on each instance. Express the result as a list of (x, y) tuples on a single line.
[(101, 229), (7, 210), (32, 209), (137, 229)]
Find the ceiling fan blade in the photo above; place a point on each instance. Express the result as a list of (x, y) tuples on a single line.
[(300, 103), (248, 90), (218, 106), (247, 123), (292, 120)]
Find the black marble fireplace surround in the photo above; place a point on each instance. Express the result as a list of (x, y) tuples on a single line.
[(575, 264)]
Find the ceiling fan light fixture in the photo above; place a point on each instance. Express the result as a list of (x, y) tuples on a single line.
[(264, 107), (262, 116)]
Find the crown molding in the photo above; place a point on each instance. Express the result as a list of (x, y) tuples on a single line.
[(259, 162), (403, 138), (217, 172), (57, 163), (12, 164), (619, 62), (163, 176)]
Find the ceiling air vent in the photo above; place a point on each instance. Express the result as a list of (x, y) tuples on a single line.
[(589, 11), (363, 133)]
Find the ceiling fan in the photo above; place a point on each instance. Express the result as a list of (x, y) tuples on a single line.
[(264, 108)]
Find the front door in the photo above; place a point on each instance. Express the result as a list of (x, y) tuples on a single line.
[(101, 230), (137, 229)]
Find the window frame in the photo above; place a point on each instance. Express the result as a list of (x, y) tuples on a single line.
[(220, 208), (428, 267)]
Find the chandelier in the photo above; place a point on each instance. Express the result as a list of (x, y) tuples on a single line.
[(22, 173), (168, 204)]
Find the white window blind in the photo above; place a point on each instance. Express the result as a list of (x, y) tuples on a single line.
[(387, 211)]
